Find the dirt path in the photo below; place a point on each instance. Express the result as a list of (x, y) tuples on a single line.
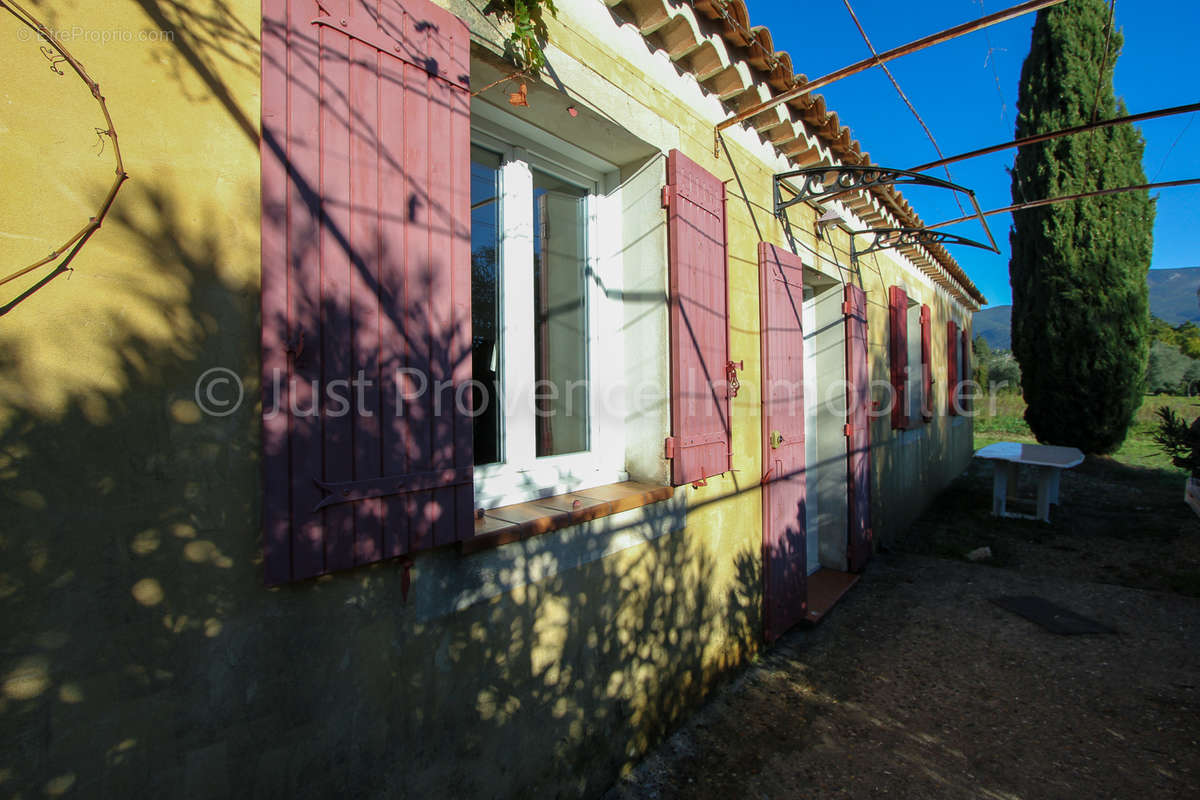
[(917, 686)]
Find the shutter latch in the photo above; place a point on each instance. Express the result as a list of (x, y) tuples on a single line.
[(731, 371)]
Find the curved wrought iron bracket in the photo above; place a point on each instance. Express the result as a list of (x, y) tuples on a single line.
[(823, 183), (907, 237)]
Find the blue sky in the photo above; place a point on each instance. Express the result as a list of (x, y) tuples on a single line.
[(966, 91)]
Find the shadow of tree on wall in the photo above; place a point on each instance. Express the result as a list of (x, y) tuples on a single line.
[(143, 655), (207, 38), (116, 490)]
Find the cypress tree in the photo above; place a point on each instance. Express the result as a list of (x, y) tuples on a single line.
[(1080, 312)]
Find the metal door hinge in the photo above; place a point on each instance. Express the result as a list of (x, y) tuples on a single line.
[(670, 447), (666, 197), (731, 371), (848, 429)]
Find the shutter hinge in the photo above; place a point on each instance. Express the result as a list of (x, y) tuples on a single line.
[(670, 447), (406, 564), (294, 345), (666, 197), (731, 371), (846, 307), (847, 429)]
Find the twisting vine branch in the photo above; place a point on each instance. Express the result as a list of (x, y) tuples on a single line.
[(56, 53)]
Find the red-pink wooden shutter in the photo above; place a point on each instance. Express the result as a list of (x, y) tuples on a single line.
[(926, 365), (366, 282), (858, 429), (699, 443), (785, 564), (898, 331), (966, 362), (951, 367)]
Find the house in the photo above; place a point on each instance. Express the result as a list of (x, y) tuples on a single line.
[(414, 428)]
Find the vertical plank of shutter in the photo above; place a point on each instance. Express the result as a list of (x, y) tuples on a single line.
[(708, 311), (395, 328), (337, 251), (966, 362), (277, 532), (898, 307), (441, 307), (699, 320), (354, 215), (460, 276), (719, 316), (304, 261), (785, 494), (419, 283), (365, 289), (951, 366), (675, 331), (926, 364)]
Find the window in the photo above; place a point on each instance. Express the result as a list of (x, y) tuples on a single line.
[(953, 366), (962, 367), (485, 302), (909, 352), (964, 360), (914, 380), (539, 318)]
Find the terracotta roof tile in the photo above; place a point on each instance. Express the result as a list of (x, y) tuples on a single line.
[(714, 40)]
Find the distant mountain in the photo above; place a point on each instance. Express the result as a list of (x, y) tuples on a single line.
[(1173, 295), (1172, 298), (994, 325)]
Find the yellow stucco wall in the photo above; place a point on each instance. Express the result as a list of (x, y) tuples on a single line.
[(142, 653)]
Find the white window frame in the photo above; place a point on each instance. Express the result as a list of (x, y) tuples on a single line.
[(521, 476), (812, 485)]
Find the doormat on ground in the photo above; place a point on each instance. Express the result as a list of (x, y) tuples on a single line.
[(1055, 619)]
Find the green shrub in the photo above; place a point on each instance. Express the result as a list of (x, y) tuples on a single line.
[(1166, 369), (1179, 440)]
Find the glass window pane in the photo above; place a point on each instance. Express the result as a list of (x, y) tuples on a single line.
[(485, 302), (915, 372), (560, 315)]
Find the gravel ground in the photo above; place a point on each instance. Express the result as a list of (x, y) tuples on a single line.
[(917, 686)]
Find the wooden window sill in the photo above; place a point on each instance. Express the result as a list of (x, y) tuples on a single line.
[(513, 523)]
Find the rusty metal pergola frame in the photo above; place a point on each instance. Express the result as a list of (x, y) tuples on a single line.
[(821, 183), (1066, 197), (1045, 137), (882, 58)]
